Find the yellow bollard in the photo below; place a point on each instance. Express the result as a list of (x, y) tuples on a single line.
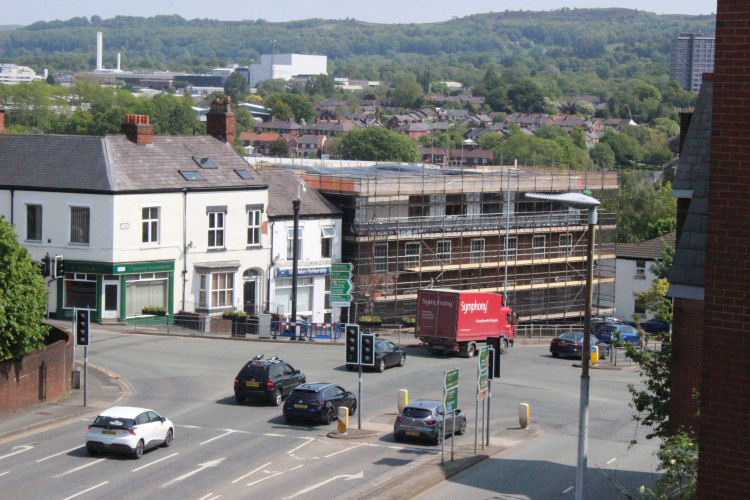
[(403, 399), (523, 415), (594, 355), (343, 419)]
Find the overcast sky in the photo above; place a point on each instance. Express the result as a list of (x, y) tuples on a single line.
[(377, 11)]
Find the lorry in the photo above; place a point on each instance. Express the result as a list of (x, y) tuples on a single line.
[(460, 321)]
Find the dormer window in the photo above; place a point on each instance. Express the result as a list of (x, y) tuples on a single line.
[(204, 162)]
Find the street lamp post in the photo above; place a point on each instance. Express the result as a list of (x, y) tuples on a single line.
[(295, 257), (507, 226), (581, 201)]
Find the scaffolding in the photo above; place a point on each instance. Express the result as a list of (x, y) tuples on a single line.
[(408, 227)]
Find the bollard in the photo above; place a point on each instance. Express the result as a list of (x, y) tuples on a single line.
[(343, 423), (523, 415), (594, 354), (403, 399)]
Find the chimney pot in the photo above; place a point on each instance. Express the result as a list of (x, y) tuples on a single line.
[(137, 129), (220, 119)]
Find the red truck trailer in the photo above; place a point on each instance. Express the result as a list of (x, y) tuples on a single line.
[(460, 321)]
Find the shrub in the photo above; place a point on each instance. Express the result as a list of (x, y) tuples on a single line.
[(155, 310), (234, 315)]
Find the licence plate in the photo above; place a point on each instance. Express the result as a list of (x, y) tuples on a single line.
[(412, 433), (300, 406), (252, 384), (111, 433)]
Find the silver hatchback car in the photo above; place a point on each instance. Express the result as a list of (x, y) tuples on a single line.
[(125, 429), (424, 419)]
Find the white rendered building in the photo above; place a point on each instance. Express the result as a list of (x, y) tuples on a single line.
[(286, 67)]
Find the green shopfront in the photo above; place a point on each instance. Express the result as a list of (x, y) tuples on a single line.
[(115, 291)]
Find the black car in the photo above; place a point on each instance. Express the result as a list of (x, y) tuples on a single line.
[(654, 326), (386, 354), (270, 379), (318, 402), (571, 344)]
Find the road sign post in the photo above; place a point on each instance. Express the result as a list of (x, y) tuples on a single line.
[(450, 403)]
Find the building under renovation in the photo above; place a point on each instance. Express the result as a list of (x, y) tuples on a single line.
[(410, 227)]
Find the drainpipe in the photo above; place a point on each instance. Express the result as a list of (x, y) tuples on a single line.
[(184, 246), (270, 270)]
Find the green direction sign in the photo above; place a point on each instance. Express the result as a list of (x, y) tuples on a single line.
[(484, 358), (340, 275), (451, 378), (341, 287), (340, 298), (451, 399), (342, 267)]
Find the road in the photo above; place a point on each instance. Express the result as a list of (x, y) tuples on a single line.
[(224, 450)]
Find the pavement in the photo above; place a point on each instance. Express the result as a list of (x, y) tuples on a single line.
[(105, 389)]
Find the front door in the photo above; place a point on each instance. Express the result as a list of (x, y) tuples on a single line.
[(111, 300), (249, 297)]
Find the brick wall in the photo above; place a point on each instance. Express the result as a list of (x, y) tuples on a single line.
[(724, 435), (687, 340), (43, 375)]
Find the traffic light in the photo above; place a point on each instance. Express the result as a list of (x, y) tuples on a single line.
[(45, 266), (367, 347), (352, 344), (82, 327), (494, 371), (58, 271)]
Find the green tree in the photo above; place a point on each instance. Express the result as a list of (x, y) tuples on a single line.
[(282, 111), (602, 155), (23, 298), (279, 148), (301, 109), (236, 87), (526, 97), (378, 144), (321, 85), (408, 94)]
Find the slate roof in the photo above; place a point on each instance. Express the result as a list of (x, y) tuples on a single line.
[(282, 190), (647, 250), (113, 164), (687, 276)]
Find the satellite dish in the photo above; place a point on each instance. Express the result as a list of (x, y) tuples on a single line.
[(573, 200)]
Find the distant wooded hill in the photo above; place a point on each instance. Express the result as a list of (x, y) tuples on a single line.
[(565, 38)]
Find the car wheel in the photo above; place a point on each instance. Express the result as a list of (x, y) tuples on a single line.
[(606, 353), (398, 437), (275, 397), (239, 398), (138, 451), (353, 409), (381, 366), (461, 428), (330, 416), (168, 438), (91, 449), (555, 354), (471, 350), (439, 438), (503, 346), (403, 361)]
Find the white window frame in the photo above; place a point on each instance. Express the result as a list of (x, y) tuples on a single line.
[(217, 290), (476, 251), (511, 247), (380, 258), (443, 256), (39, 212), (412, 258), (538, 252), (640, 269), (216, 232), (150, 224), (566, 245), (290, 243), (326, 241), (254, 223), (85, 237)]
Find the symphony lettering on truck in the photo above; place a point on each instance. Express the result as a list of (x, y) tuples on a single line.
[(474, 306)]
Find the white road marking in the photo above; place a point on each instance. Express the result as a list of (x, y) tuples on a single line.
[(86, 491), (212, 463), (566, 490), (78, 468), (206, 497), (251, 472), (273, 475), (345, 477), (19, 449), (229, 431), (274, 435), (191, 427), (58, 454), (154, 462), (4, 473), (342, 451), (611, 461), (309, 440)]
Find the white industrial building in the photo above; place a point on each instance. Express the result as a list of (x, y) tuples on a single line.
[(286, 67), (11, 74)]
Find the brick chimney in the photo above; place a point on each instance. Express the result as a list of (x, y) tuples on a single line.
[(220, 119), (137, 129), (2, 119)]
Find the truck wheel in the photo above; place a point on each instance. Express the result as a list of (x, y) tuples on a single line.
[(503, 345), (471, 350)]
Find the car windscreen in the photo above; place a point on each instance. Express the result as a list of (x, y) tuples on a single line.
[(417, 412), (124, 423), (254, 372), (571, 336), (607, 329), (306, 394)]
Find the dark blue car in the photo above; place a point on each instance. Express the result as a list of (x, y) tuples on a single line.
[(654, 325), (318, 402), (610, 332)]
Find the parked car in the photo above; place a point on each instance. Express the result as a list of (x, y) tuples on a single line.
[(609, 332), (654, 326), (386, 354), (571, 344), (270, 379), (318, 402), (601, 319), (424, 419), (124, 429)]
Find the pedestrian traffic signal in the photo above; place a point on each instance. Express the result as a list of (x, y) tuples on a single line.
[(82, 327), (367, 344), (45, 266), (495, 343), (58, 270), (352, 344)]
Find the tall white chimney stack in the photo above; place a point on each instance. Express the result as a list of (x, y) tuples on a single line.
[(99, 50), (118, 61)]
